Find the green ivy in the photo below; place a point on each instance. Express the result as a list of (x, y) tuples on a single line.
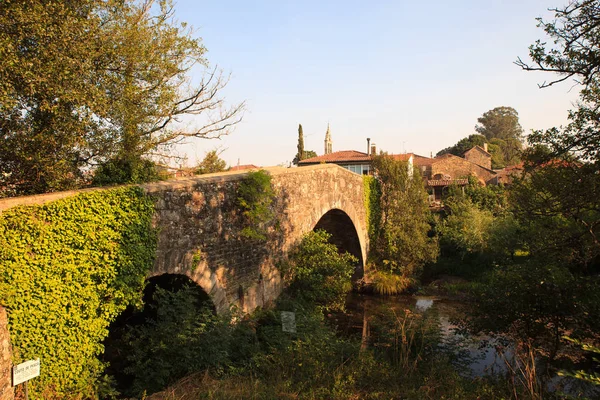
[(67, 269), (255, 196), (372, 194)]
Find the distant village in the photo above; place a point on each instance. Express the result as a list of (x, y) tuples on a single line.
[(439, 173)]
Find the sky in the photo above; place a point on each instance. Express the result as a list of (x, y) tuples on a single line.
[(413, 76)]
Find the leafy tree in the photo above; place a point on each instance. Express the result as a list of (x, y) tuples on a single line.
[(309, 154), (401, 244), (574, 52), (560, 197), (95, 82), (463, 145), (466, 230), (211, 164), (500, 123), (499, 128)]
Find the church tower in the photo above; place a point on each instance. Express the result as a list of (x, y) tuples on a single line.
[(328, 144)]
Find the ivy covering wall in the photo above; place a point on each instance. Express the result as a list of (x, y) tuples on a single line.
[(67, 269), (372, 193)]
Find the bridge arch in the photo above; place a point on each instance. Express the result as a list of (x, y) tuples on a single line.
[(344, 235)]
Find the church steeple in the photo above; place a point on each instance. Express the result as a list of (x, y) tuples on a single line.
[(328, 143)]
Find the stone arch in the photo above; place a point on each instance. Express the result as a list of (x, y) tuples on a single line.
[(173, 282), (343, 234), (207, 279)]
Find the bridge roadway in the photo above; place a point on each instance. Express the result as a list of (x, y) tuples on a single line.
[(199, 222)]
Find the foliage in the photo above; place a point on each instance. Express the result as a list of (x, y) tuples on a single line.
[(372, 194), (560, 197), (178, 336), (90, 81), (255, 197), (499, 128), (586, 376), (386, 283), (317, 273), (466, 230), (534, 303), (500, 123), (211, 164), (463, 145), (302, 154), (67, 269), (492, 198), (126, 170), (402, 244), (573, 52)]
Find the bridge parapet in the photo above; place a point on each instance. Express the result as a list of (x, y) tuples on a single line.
[(199, 222)]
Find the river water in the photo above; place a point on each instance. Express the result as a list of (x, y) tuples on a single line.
[(473, 355)]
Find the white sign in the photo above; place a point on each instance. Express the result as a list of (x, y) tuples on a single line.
[(288, 321), (25, 371)]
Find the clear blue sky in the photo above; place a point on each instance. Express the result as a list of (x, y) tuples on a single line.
[(413, 76)]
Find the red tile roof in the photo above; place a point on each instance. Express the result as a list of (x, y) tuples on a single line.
[(338, 157)]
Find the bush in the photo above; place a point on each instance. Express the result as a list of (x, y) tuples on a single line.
[(255, 197), (126, 170), (67, 269), (317, 273), (178, 337)]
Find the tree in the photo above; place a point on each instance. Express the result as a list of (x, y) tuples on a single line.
[(500, 123), (302, 154), (402, 245), (211, 164), (463, 145), (94, 82), (573, 53)]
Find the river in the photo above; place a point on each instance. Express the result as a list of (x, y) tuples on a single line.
[(437, 317)]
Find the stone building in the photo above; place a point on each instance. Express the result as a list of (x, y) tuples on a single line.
[(479, 155)]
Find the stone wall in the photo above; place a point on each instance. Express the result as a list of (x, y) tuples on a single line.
[(199, 229), (479, 156), (6, 390), (457, 167)]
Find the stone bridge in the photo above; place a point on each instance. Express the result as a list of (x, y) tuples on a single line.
[(199, 222)]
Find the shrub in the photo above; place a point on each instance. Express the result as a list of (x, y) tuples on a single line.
[(255, 197), (317, 273)]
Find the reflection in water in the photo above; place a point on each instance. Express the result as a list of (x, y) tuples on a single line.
[(473, 355)]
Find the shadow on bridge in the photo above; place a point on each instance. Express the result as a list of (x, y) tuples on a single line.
[(344, 235)]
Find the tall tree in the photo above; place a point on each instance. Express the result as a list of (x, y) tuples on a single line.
[(94, 81), (500, 123), (574, 52), (402, 245), (300, 154)]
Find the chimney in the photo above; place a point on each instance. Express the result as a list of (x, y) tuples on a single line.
[(368, 145), (485, 146), (373, 149)]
